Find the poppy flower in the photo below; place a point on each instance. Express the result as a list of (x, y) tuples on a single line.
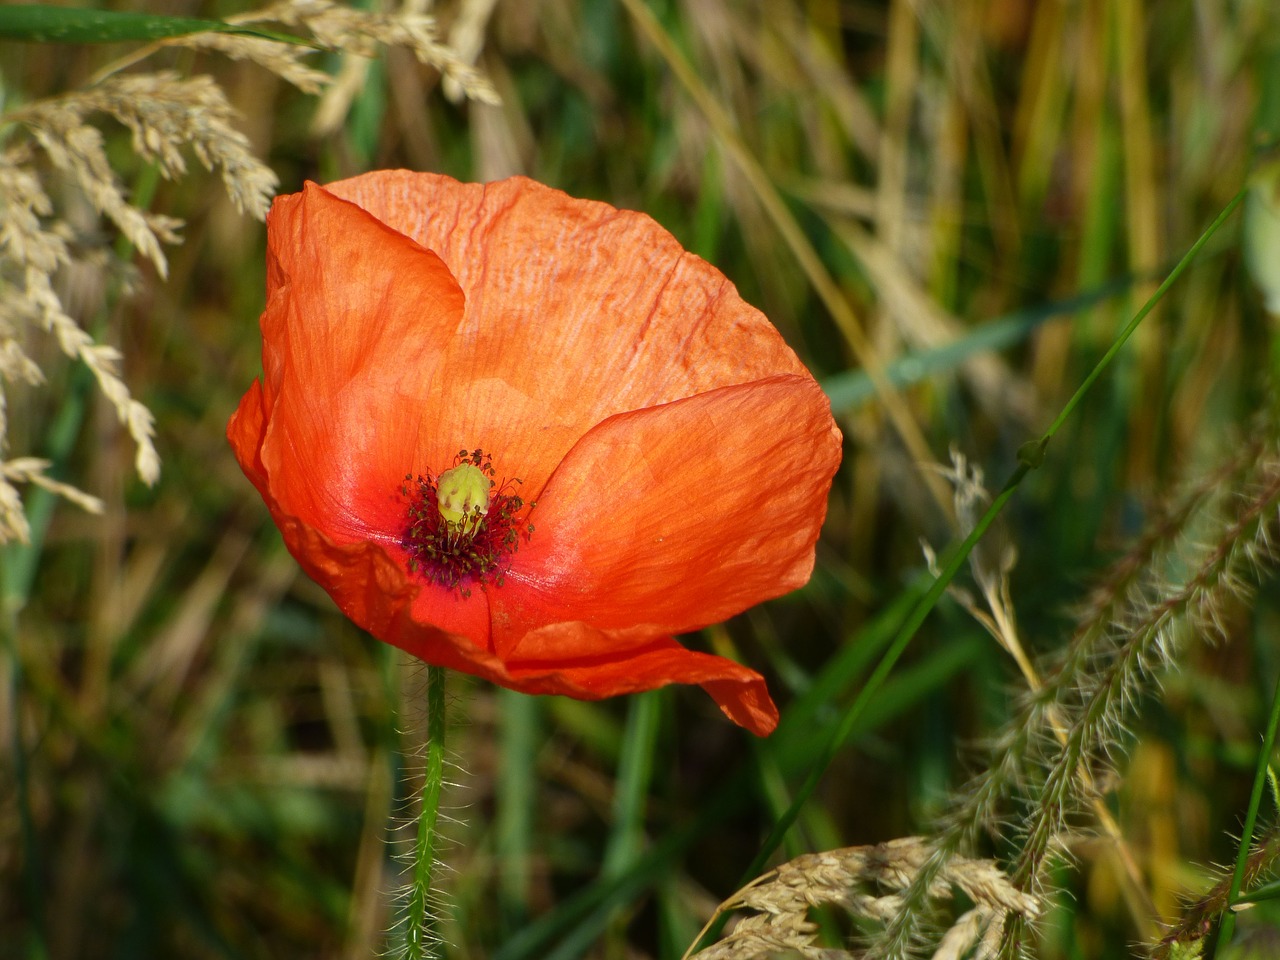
[(529, 437)]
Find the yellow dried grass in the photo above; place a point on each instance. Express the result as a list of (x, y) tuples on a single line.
[(167, 115), (867, 882)]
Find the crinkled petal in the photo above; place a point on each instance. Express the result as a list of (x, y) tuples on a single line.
[(679, 452), (357, 322), (577, 309), (667, 519), (740, 692), (373, 590), (369, 580)]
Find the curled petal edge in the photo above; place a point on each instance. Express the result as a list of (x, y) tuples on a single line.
[(376, 593)]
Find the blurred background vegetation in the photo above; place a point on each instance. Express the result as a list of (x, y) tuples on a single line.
[(200, 756)]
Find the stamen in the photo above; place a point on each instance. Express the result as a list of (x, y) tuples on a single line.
[(463, 526)]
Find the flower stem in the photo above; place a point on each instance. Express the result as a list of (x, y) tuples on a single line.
[(421, 938)]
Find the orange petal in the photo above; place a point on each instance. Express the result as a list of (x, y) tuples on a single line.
[(667, 519), (372, 590), (370, 581), (356, 323), (740, 692), (575, 311), (680, 453), (244, 431)]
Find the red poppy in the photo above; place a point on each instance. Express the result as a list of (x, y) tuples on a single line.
[(529, 437)]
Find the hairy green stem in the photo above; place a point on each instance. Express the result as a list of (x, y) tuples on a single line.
[(421, 939)]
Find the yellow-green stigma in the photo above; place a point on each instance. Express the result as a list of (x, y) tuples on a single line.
[(463, 526), (462, 495)]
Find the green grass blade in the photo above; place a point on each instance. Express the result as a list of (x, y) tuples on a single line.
[(635, 771), (569, 930), (854, 387), (1227, 926), (1141, 315), (18, 565), (580, 917), (1030, 457), (514, 822), (1266, 891), (37, 23)]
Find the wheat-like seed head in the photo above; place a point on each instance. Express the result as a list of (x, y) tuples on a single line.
[(167, 115), (868, 883), (338, 27), (285, 60), (13, 522)]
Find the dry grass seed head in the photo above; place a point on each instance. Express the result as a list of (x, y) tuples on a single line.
[(867, 882), (13, 520), (282, 59), (167, 113), (164, 114), (338, 27)]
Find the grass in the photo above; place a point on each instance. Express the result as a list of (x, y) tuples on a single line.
[(951, 211)]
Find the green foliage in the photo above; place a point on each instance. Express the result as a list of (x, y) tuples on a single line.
[(37, 23), (199, 755)]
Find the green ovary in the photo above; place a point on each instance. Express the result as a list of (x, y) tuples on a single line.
[(463, 498)]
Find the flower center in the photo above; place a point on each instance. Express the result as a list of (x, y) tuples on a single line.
[(462, 495), (463, 526)]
